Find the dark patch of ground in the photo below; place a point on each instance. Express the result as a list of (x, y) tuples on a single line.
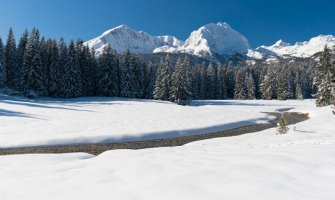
[(291, 118)]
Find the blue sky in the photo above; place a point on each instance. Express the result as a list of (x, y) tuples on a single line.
[(261, 21)]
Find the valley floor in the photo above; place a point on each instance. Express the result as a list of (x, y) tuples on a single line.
[(261, 165), (47, 121)]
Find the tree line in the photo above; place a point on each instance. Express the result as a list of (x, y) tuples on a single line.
[(324, 79), (45, 67)]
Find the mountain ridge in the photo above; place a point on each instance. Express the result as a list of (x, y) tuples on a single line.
[(207, 41)]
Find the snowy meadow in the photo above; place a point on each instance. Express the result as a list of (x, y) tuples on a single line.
[(48, 121), (297, 165)]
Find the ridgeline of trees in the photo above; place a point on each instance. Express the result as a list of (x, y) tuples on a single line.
[(45, 67)]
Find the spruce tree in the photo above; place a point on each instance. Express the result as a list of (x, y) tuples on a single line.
[(10, 59), (180, 92), (211, 83), (20, 56), (32, 82), (298, 88), (62, 62), (55, 72), (282, 125), (298, 92), (221, 83), (250, 84), (150, 79), (45, 58), (94, 76), (324, 74), (71, 82), (240, 91), (230, 82), (127, 77), (138, 71), (163, 81), (107, 74), (86, 68), (196, 79), (203, 82), (290, 92), (268, 88), (2, 66), (282, 89)]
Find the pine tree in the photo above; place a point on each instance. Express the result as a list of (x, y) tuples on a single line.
[(71, 82), (196, 80), (180, 92), (127, 77), (211, 83), (107, 74), (163, 81), (323, 79), (45, 58), (86, 68), (203, 82), (2, 66), (250, 84), (298, 88), (62, 62), (282, 89), (240, 91), (290, 92), (55, 72), (10, 59), (138, 71), (20, 56), (149, 80), (32, 82), (221, 83), (94, 66), (268, 88), (230, 82), (282, 125), (298, 92)]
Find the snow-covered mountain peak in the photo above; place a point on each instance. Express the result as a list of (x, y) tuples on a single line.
[(322, 40), (122, 38), (118, 28), (281, 43), (207, 41), (299, 49), (171, 40), (219, 38)]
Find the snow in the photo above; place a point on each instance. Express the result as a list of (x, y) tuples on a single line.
[(211, 38), (219, 38), (92, 120), (171, 40), (299, 49), (122, 38), (262, 165), (255, 54)]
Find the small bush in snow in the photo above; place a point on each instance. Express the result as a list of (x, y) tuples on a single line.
[(282, 125)]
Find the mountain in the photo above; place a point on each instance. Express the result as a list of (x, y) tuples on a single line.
[(123, 38), (217, 38), (299, 49), (214, 41)]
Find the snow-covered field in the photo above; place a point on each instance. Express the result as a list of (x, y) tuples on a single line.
[(91, 120), (263, 165)]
